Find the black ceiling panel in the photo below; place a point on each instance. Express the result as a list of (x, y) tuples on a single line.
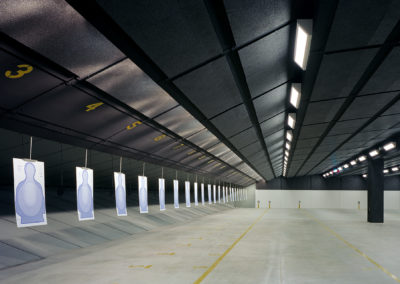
[(324, 111), (175, 34), (250, 19), (244, 138), (20, 87), (366, 136), (180, 121), (386, 78), (129, 84), (273, 125), (204, 139), (335, 139), (311, 131), (251, 149), (339, 72), (66, 106), (57, 31), (306, 143), (265, 62), (373, 23), (394, 109), (367, 106), (232, 121), (275, 138), (383, 122), (211, 87), (271, 103), (347, 126), (143, 138)]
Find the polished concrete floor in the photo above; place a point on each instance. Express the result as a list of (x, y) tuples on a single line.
[(237, 246)]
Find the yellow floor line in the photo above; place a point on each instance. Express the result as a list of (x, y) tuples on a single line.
[(211, 268), (353, 247)]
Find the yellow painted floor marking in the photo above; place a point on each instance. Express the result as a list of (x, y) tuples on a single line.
[(200, 267), (211, 268), (185, 245), (166, 253), (353, 247), (140, 266)]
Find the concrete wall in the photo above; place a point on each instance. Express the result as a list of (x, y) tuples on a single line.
[(346, 199), (251, 195)]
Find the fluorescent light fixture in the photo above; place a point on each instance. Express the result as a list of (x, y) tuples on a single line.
[(385, 171), (291, 120), (286, 153), (295, 95), (362, 158), (364, 175), (340, 169), (395, 169), (331, 172), (289, 135), (389, 146), (303, 42), (374, 153), (287, 145), (335, 171), (285, 158), (354, 162), (345, 166)]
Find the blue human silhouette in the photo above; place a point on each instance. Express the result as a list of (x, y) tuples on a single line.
[(30, 204), (120, 197), (143, 199), (85, 198)]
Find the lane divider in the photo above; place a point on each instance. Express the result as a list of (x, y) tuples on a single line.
[(211, 268), (394, 277)]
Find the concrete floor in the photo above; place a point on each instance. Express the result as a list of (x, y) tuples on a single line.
[(237, 246)]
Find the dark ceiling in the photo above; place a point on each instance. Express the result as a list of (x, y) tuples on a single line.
[(203, 86)]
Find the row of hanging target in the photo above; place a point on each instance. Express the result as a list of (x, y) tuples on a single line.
[(29, 193)]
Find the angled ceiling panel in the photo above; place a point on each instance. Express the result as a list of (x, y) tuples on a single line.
[(218, 150), (339, 72), (386, 77), (244, 138), (180, 121), (170, 23), (275, 138), (383, 122), (250, 19), (15, 91), (204, 139), (312, 131), (347, 126), (129, 84), (232, 121), (320, 112), (367, 106), (265, 62), (273, 125), (374, 19), (211, 88), (251, 149), (67, 107), (56, 30), (394, 109), (271, 103)]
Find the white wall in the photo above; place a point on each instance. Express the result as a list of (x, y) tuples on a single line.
[(322, 198), (251, 197)]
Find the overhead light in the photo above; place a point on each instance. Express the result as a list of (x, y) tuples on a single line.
[(385, 171), (287, 145), (354, 162), (295, 95), (289, 135), (395, 169), (389, 146), (335, 171), (374, 153), (291, 120), (345, 166), (303, 42), (364, 175), (340, 169), (286, 158), (331, 172), (362, 158), (286, 153)]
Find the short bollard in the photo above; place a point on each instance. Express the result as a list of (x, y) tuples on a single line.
[(258, 203), (299, 204)]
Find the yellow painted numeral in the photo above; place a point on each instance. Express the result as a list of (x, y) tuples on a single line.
[(178, 146), (133, 125), (210, 161), (201, 157), (24, 69), (93, 106), (158, 138), (191, 152)]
